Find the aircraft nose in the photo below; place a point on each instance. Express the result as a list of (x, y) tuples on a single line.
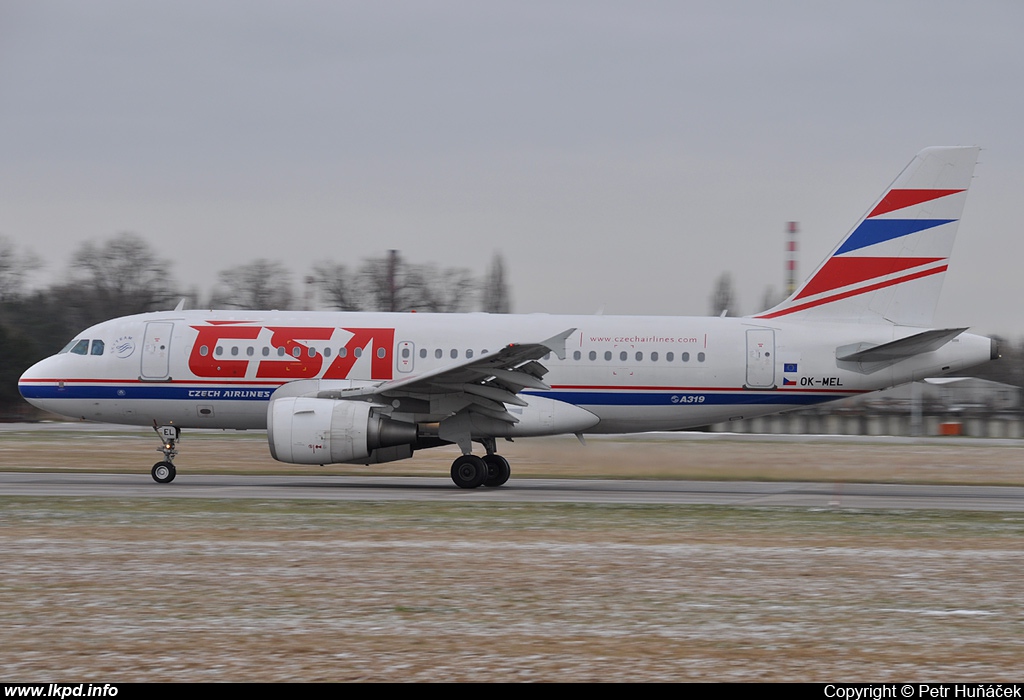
[(32, 385)]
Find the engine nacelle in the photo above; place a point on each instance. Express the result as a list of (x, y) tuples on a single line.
[(305, 430)]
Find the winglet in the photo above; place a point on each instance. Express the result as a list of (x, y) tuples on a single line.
[(556, 343)]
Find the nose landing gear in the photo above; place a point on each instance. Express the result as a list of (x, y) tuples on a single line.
[(164, 472)]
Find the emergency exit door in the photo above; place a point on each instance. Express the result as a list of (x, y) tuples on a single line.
[(406, 356)]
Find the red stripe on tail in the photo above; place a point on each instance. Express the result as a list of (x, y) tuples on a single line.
[(900, 199), (844, 271)]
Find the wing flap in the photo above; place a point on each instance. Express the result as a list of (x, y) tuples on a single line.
[(488, 392), (515, 380)]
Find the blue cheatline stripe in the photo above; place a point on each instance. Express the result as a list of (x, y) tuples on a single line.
[(146, 391), (582, 398), (872, 231), (684, 398)]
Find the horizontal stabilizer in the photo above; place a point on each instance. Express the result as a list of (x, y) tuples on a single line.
[(898, 349)]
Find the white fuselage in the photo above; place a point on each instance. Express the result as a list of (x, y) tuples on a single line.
[(218, 369)]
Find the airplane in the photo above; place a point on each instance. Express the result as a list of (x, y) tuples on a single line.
[(370, 388)]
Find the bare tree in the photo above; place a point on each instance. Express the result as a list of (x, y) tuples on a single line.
[(15, 267), (496, 294), (122, 275), (261, 284), (378, 284), (18, 351), (771, 298), (429, 288), (388, 283), (724, 297), (337, 286)]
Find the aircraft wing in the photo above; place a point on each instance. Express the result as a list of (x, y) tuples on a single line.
[(482, 385)]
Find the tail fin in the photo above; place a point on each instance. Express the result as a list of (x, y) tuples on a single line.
[(890, 267)]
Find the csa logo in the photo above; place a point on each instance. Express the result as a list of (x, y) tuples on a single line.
[(124, 346)]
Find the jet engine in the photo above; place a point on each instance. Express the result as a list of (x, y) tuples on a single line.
[(305, 430)]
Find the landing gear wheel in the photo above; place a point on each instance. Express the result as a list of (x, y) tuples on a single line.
[(163, 472), (469, 472), (498, 470)]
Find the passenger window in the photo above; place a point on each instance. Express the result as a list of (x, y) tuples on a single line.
[(437, 353), (250, 351), (342, 352), (266, 351), (234, 351), (423, 353), (669, 356), (358, 352), (97, 347), (623, 355), (577, 355), (280, 351), (592, 356), (684, 356), (608, 355), (204, 351), (381, 352), (296, 351), (469, 354), (311, 352), (327, 352), (405, 353), (639, 357), (654, 357), (454, 353), (81, 348), (219, 351), (700, 357)]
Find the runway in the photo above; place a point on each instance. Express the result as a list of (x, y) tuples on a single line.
[(607, 491)]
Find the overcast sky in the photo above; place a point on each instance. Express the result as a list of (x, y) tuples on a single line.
[(620, 155)]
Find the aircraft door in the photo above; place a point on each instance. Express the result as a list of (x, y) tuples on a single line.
[(406, 356), (760, 358), (156, 350)]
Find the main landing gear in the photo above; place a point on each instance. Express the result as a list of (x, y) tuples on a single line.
[(470, 471), (164, 472)]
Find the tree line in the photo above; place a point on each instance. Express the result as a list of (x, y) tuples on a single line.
[(124, 275)]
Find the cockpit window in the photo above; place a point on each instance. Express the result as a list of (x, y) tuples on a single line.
[(80, 348)]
